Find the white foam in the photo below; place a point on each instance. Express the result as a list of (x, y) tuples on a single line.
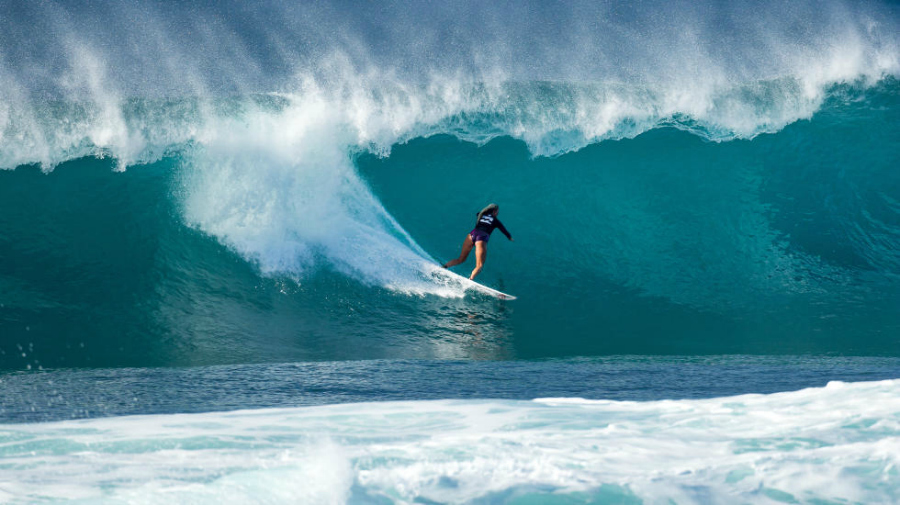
[(282, 190), (711, 64), (838, 443)]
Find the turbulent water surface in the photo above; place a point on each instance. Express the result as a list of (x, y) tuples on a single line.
[(210, 206)]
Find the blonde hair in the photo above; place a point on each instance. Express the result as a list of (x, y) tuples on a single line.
[(490, 208)]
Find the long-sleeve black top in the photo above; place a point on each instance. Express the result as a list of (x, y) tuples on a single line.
[(488, 222)]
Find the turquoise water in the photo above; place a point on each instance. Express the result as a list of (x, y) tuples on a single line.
[(666, 243), (221, 225)]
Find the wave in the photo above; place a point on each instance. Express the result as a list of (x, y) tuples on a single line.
[(231, 250), (272, 175), (284, 160), (697, 146)]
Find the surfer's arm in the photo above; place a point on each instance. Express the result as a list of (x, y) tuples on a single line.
[(502, 228)]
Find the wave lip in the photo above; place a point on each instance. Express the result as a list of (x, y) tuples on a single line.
[(603, 70), (371, 114)]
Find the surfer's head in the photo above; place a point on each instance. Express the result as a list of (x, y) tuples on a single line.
[(490, 209)]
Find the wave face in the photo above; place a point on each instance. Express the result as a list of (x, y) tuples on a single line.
[(835, 444), (243, 184)]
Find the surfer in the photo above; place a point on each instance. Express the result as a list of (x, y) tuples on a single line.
[(478, 238)]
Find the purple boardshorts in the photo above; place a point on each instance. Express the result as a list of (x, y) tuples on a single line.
[(477, 235)]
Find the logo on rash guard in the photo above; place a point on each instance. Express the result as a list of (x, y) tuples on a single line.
[(486, 219)]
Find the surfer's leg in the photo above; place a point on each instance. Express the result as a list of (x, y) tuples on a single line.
[(466, 248), (480, 256)]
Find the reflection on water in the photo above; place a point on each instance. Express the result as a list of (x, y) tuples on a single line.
[(325, 318), (475, 327)]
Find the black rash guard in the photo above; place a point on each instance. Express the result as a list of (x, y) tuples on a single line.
[(488, 222)]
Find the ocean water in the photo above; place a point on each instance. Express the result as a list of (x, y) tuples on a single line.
[(220, 224), (837, 444)]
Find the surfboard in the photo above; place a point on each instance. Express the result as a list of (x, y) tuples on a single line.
[(472, 285)]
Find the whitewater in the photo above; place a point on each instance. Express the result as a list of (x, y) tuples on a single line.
[(220, 224), (835, 444)]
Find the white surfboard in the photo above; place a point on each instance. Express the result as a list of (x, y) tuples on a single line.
[(472, 285)]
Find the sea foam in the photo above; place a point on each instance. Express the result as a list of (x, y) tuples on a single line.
[(833, 444)]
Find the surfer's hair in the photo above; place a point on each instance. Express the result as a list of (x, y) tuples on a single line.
[(490, 208)]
